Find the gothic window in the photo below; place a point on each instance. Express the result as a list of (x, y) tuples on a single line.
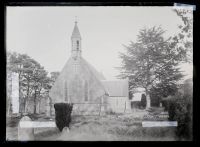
[(77, 42), (66, 91), (76, 66), (86, 91)]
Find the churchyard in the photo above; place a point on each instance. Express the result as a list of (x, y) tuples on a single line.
[(145, 94), (110, 127)]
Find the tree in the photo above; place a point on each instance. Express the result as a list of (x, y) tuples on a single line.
[(182, 103), (33, 80), (184, 39), (150, 61), (39, 79), (15, 63)]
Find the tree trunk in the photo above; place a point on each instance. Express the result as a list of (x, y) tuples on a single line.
[(27, 97), (50, 104), (24, 105), (35, 103), (147, 86), (39, 107), (148, 99)]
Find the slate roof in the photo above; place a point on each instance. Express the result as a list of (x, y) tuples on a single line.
[(99, 75)]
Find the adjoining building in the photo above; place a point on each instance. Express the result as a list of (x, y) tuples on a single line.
[(137, 97), (118, 95)]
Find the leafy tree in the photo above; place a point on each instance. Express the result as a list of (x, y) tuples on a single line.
[(184, 39), (15, 63), (152, 60), (27, 81), (182, 43), (33, 80), (39, 80)]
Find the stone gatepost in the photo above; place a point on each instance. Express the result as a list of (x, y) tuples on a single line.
[(25, 131)]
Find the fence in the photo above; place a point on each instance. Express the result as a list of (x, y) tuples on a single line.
[(97, 108), (87, 109)]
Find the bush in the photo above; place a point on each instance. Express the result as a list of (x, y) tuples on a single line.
[(180, 110), (143, 101), (165, 104), (63, 115), (162, 90)]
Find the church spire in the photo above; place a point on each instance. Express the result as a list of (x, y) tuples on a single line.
[(76, 42), (76, 33)]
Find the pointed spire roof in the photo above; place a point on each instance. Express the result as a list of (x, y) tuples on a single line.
[(76, 33)]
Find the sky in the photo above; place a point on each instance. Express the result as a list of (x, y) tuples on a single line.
[(44, 33)]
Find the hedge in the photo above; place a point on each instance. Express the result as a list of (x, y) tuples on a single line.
[(63, 115)]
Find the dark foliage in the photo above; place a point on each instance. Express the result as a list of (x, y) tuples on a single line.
[(155, 101), (143, 101), (162, 90), (152, 61), (63, 115), (180, 109)]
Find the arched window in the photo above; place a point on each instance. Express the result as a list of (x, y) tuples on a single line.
[(66, 92), (86, 91), (77, 43)]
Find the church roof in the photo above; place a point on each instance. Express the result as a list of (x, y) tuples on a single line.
[(76, 33), (99, 75)]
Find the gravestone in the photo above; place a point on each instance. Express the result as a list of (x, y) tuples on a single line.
[(25, 133)]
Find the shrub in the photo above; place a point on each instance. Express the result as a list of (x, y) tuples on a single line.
[(143, 101), (162, 90), (180, 111), (63, 115)]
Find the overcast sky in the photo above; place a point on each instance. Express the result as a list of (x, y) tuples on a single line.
[(44, 32)]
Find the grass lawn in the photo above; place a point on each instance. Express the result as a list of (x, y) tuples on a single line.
[(127, 127)]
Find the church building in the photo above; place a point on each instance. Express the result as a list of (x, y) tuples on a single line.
[(81, 84)]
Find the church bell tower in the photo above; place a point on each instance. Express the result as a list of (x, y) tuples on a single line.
[(76, 42)]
